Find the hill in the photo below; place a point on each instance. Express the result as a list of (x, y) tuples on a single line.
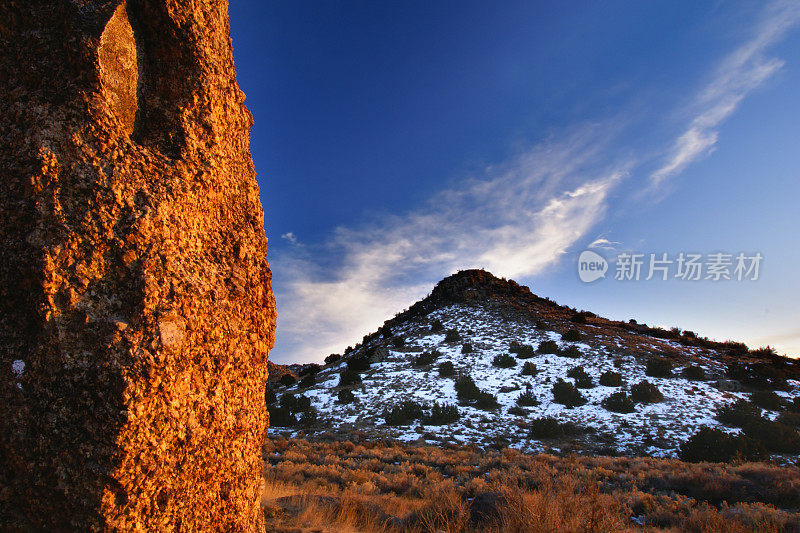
[(483, 360)]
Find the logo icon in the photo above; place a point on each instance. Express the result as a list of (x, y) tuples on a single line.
[(591, 266)]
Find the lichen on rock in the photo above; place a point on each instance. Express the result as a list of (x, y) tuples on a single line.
[(136, 313)]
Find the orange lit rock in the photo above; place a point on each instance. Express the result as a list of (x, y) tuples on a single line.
[(135, 305)]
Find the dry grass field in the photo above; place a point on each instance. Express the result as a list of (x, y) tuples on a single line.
[(391, 487)]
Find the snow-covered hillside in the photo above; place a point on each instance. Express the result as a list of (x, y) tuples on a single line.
[(655, 429)]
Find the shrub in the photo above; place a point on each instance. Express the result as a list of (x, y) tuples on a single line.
[(571, 351), (529, 369), (790, 419), (311, 368), (774, 436), (517, 410), (767, 399), (619, 402), (308, 381), (540, 325), (609, 378), (571, 335), (349, 377), (646, 392), (467, 348), (281, 417), (437, 326), (549, 428), (287, 380), (452, 336), (523, 351), (270, 396), (567, 394), (398, 341), (794, 405), (658, 367), (447, 369), (345, 396), (358, 363), (442, 414), (694, 372), (547, 347), (738, 414), (332, 358), (295, 404), (504, 361), (426, 358), (527, 399), (308, 417), (582, 379), (714, 445), (578, 318), (403, 414), (468, 393)]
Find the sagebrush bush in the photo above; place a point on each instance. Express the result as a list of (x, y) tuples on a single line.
[(523, 351), (358, 363), (716, 446), (658, 367), (529, 369), (309, 380), (398, 341), (403, 414), (437, 326), (452, 336), (442, 414), (694, 372), (332, 358), (571, 351), (270, 396), (567, 394), (426, 358), (619, 402), (774, 436), (504, 361), (467, 348), (571, 335), (349, 377), (738, 414), (345, 396), (582, 379), (527, 399), (447, 369), (287, 380), (517, 410), (646, 392), (609, 378), (767, 399), (550, 428), (546, 347), (790, 419), (468, 393)]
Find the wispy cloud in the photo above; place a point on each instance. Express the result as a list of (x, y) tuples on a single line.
[(515, 221), (290, 237), (741, 72)]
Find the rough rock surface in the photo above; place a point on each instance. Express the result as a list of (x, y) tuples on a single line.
[(136, 313)]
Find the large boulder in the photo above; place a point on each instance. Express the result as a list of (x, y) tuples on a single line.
[(136, 313)]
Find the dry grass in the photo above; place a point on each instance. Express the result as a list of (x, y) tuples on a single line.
[(389, 487)]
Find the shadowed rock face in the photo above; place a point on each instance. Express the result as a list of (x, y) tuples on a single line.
[(136, 313)]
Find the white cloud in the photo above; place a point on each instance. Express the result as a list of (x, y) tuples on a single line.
[(603, 243), (741, 72), (515, 221), (291, 237)]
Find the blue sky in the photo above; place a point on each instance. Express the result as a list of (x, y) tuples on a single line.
[(398, 142)]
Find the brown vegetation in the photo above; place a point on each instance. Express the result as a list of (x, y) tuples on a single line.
[(391, 487)]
